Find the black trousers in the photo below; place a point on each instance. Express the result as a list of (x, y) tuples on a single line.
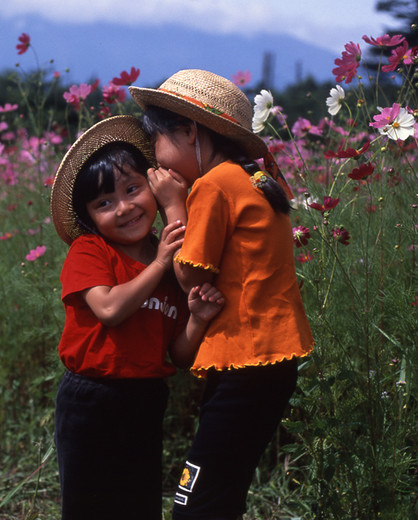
[(108, 435), (240, 412)]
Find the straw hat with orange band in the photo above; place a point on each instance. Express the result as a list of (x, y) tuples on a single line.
[(216, 103)]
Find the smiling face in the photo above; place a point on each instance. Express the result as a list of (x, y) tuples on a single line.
[(124, 216)]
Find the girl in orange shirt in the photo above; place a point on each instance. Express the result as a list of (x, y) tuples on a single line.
[(238, 237)]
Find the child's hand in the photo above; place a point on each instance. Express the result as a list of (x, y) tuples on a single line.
[(170, 241), (168, 187), (205, 302)]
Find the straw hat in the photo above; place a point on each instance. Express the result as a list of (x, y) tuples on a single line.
[(124, 129), (208, 99)]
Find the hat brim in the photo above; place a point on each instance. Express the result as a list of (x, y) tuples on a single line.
[(124, 129), (252, 144)]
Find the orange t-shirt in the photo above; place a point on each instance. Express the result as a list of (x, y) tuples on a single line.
[(233, 231)]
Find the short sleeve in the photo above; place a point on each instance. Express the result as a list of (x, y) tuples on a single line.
[(85, 266), (207, 226)]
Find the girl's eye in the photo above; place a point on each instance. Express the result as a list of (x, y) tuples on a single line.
[(131, 189), (103, 203)]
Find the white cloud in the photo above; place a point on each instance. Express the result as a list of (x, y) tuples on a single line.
[(325, 23)]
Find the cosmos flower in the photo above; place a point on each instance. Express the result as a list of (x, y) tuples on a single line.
[(8, 107), (34, 254), (113, 94), (334, 102), (328, 203), (348, 153), (362, 172), (301, 235), (341, 235), (401, 54), (24, 44), (126, 78), (395, 122), (385, 40), (241, 78), (304, 257), (262, 109), (76, 94), (348, 64)]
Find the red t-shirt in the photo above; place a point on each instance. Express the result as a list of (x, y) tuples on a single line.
[(137, 348)]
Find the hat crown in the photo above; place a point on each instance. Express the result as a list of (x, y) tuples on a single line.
[(212, 90)]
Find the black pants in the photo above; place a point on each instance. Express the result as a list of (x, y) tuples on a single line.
[(240, 412), (108, 435)]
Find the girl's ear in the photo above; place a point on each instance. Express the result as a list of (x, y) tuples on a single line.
[(191, 132)]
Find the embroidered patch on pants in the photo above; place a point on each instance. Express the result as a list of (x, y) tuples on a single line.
[(189, 477)]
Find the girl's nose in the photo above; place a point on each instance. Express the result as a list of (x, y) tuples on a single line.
[(123, 207)]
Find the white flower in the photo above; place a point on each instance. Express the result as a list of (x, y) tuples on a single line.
[(401, 127), (258, 123), (262, 109), (335, 101)]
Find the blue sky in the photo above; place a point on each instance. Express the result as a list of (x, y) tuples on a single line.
[(107, 36)]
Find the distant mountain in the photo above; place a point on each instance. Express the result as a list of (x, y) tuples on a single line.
[(102, 51)]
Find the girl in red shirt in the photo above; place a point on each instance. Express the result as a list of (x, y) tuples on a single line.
[(238, 237), (124, 313)]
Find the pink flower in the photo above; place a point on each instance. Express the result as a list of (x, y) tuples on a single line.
[(362, 172), (8, 108), (241, 78), (34, 254), (301, 235), (395, 122), (385, 40), (304, 257), (400, 54), (6, 236), (77, 94), (303, 126), (57, 74), (125, 78), (24, 44), (348, 64), (328, 203), (341, 235), (113, 94)]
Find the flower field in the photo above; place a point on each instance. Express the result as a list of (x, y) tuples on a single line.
[(347, 445)]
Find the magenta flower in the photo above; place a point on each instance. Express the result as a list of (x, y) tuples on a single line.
[(401, 54), (304, 257), (8, 108), (328, 203), (34, 254), (241, 78), (113, 94), (77, 94), (301, 235), (395, 122), (385, 40), (347, 153), (341, 235), (126, 78), (362, 172), (24, 44), (348, 64)]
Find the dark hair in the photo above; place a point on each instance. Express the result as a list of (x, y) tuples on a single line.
[(98, 176), (163, 121)]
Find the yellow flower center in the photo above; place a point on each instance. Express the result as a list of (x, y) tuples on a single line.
[(395, 124)]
